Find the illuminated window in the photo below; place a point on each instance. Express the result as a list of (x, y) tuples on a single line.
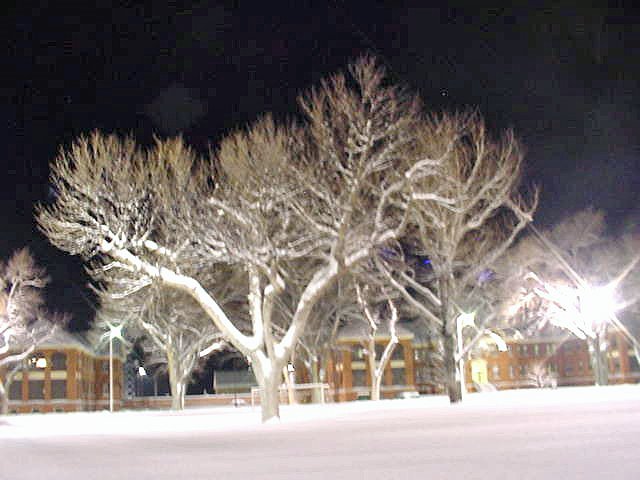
[(37, 362), (495, 372)]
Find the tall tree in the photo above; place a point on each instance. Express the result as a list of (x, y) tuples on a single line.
[(24, 324), (332, 191), (478, 214)]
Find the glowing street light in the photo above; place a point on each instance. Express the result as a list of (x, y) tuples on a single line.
[(115, 331), (597, 306)]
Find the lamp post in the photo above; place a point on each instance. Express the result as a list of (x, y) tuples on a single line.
[(140, 379), (290, 377), (115, 331)]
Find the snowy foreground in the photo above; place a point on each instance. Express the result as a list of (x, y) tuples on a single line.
[(581, 433)]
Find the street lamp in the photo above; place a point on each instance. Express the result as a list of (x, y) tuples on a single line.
[(115, 331)]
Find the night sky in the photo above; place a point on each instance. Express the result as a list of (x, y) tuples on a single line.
[(566, 79)]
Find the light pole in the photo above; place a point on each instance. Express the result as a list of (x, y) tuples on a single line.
[(115, 331)]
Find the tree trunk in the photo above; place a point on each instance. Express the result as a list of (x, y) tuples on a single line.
[(600, 367), (269, 395), (178, 390), (176, 382), (289, 383), (371, 359), (4, 399), (451, 369), (450, 340), (375, 388), (316, 392)]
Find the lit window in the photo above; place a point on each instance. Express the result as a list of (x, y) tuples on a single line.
[(37, 362), (495, 372)]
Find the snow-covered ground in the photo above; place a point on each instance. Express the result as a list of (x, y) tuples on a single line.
[(581, 433)]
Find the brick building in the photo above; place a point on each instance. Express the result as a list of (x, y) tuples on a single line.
[(561, 360), (416, 364), (65, 374)]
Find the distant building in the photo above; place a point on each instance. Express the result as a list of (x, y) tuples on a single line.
[(549, 360), (416, 364), (65, 374), (348, 370)]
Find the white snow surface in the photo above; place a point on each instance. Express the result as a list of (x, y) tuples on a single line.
[(580, 432)]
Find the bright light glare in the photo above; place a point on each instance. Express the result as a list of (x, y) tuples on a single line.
[(142, 372), (41, 362), (597, 304), (467, 320)]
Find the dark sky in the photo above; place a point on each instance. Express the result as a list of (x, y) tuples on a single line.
[(566, 79)]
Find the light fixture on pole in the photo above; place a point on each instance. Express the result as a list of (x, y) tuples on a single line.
[(115, 331)]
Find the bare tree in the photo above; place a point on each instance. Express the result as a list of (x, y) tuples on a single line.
[(23, 324), (374, 314), (179, 330), (332, 191), (318, 340), (475, 217)]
